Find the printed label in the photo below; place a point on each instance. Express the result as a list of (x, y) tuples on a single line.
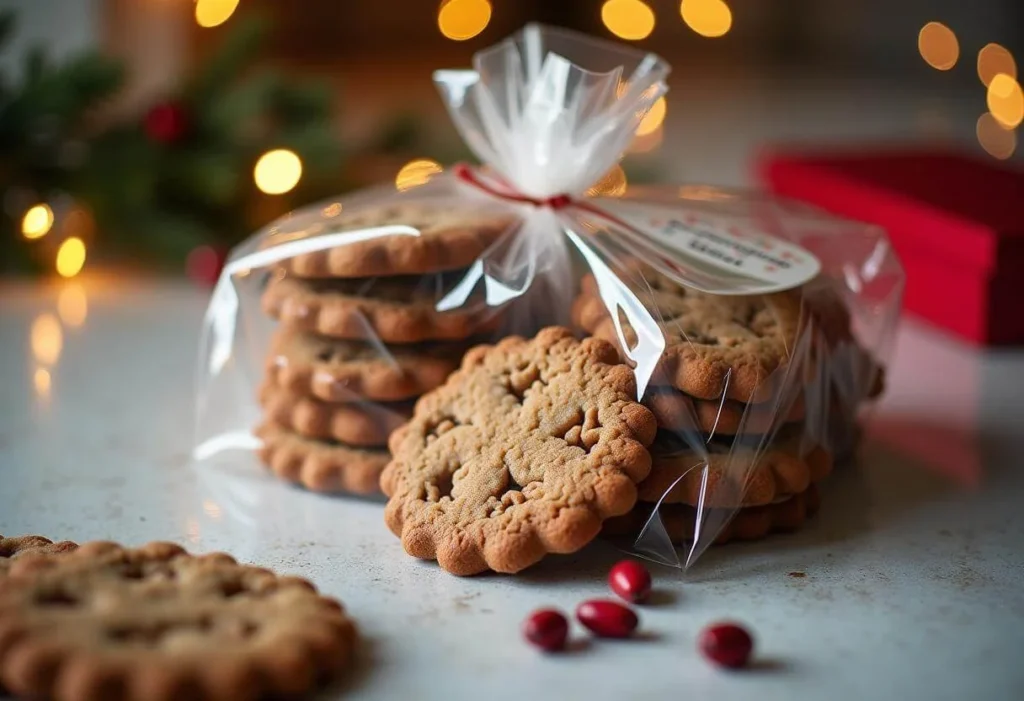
[(719, 257)]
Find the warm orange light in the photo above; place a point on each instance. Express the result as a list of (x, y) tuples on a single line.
[(1006, 100), (70, 257), (332, 210), (42, 382), (996, 139), (994, 59), (278, 171), (704, 193), (653, 119), (628, 19), (212, 509), (47, 339), (647, 142), (210, 13), (709, 18), (416, 173), (463, 19), (612, 184), (938, 46), (37, 221), (72, 305)]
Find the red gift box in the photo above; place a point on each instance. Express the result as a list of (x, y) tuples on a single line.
[(956, 222)]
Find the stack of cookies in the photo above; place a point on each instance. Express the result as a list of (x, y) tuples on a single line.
[(361, 337), (740, 388)]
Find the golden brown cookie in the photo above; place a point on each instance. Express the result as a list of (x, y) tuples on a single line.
[(447, 237), (321, 466), (347, 371), (360, 424), (749, 523), (780, 469), (523, 452), (392, 310), (680, 413), (29, 545), (156, 624), (715, 345)]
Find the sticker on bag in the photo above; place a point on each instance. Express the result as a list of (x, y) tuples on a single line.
[(719, 257)]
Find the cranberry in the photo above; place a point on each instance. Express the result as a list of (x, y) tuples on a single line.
[(630, 580), (547, 629), (726, 644), (606, 618)]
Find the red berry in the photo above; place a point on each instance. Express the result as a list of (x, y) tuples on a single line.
[(606, 618), (630, 580), (726, 644), (547, 629)]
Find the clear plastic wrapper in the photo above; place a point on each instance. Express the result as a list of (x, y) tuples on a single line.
[(756, 328)]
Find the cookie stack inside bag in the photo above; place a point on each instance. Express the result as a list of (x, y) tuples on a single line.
[(742, 390), (360, 338)]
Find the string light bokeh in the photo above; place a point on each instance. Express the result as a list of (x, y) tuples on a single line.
[(416, 172), (612, 184), (70, 257), (460, 20), (37, 221), (994, 59), (709, 18), (628, 19), (998, 141), (1005, 100), (938, 46), (277, 171), (212, 13)]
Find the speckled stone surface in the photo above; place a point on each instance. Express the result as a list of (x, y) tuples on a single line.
[(908, 585)]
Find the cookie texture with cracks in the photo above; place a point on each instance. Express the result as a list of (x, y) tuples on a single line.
[(154, 623), (14, 547), (716, 346), (525, 451)]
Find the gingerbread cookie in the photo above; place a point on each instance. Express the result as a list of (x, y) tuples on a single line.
[(446, 237), (751, 523), (524, 451), (29, 545), (361, 424), (321, 466), (393, 310), (783, 468), (715, 345), (347, 371), (680, 413), (154, 623)]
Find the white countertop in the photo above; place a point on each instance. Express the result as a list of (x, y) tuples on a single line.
[(914, 568)]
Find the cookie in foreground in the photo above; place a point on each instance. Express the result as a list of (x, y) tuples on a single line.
[(153, 623), (525, 451)]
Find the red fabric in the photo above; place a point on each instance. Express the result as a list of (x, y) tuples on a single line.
[(957, 223)]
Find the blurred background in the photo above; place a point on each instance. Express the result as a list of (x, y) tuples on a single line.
[(159, 133)]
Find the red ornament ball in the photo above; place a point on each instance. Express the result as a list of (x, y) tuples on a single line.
[(547, 629), (204, 264), (630, 580), (726, 644), (166, 122)]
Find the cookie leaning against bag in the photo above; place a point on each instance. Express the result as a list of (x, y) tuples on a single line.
[(525, 451)]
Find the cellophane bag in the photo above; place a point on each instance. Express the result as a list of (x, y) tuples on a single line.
[(757, 329)]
